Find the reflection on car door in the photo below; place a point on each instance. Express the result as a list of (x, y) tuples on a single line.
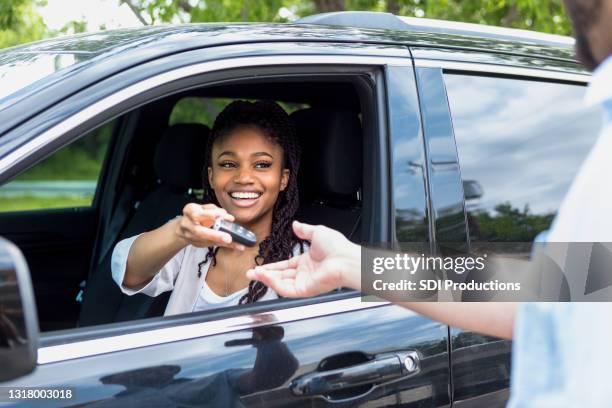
[(342, 352)]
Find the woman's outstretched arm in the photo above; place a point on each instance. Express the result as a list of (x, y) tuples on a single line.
[(153, 249)]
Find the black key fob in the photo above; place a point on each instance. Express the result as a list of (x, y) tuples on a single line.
[(239, 234)]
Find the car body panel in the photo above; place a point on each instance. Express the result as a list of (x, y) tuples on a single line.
[(442, 163), (410, 187), (184, 370)]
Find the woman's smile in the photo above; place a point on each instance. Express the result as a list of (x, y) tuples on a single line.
[(245, 199)]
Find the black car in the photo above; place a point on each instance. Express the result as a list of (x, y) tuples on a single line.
[(412, 131)]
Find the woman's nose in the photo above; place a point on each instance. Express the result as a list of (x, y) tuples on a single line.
[(244, 177)]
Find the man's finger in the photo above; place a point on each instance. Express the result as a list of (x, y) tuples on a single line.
[(286, 288), (272, 279), (257, 272), (304, 231), (281, 265)]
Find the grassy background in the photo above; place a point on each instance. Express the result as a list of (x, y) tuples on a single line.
[(24, 203)]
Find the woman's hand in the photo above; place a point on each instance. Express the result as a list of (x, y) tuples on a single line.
[(332, 262), (194, 227)]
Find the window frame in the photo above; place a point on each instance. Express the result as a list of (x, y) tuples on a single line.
[(68, 344)]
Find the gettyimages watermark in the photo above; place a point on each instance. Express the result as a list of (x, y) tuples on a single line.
[(489, 272)]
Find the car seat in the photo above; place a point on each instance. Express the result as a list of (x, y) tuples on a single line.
[(330, 175), (178, 163)]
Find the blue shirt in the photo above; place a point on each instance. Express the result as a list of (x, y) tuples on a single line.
[(562, 352)]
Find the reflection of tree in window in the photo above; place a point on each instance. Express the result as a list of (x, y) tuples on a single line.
[(508, 224)]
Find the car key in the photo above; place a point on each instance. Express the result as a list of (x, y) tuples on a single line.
[(239, 234)]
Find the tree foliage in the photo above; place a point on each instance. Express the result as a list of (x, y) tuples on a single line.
[(19, 23), (11, 13), (542, 15)]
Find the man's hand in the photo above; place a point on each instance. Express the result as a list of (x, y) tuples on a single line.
[(332, 262)]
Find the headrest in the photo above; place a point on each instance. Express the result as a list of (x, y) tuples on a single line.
[(331, 163), (179, 156)]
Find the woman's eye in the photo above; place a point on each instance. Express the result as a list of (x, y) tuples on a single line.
[(227, 165), (263, 165)]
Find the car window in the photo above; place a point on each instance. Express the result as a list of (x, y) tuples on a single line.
[(66, 179), (520, 144)]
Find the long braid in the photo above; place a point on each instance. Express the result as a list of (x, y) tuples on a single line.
[(274, 122)]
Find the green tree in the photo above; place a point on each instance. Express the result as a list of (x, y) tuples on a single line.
[(19, 23)]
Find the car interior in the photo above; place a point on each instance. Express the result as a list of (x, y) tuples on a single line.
[(153, 167)]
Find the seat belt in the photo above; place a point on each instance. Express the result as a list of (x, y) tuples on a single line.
[(119, 218)]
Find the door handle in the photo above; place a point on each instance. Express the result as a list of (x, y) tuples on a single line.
[(382, 368)]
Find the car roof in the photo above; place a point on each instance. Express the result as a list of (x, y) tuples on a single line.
[(184, 37)]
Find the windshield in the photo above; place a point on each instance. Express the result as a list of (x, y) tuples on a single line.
[(18, 69)]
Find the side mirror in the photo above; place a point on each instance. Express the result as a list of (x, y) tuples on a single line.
[(18, 318), (472, 189)]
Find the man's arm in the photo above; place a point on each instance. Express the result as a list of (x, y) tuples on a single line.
[(333, 261)]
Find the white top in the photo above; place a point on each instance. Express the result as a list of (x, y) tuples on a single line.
[(208, 299), (180, 275)]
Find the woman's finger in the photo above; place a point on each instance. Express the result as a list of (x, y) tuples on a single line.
[(205, 214), (215, 237), (207, 218)]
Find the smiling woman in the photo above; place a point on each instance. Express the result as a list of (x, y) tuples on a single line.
[(250, 177)]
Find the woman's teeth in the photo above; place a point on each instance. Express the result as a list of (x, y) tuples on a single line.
[(245, 195)]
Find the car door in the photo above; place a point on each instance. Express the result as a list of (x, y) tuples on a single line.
[(507, 142), (333, 350)]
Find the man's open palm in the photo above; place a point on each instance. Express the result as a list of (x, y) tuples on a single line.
[(322, 269)]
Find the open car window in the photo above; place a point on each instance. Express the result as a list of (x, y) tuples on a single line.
[(330, 121)]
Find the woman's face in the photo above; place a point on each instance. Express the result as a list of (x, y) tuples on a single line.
[(247, 174)]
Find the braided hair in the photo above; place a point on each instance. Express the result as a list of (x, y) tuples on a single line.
[(273, 122)]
